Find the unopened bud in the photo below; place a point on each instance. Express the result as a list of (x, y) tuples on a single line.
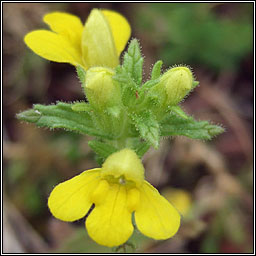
[(178, 82), (100, 88)]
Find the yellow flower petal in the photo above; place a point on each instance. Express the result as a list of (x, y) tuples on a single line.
[(70, 200), (155, 216), (110, 223), (98, 45), (52, 46), (120, 27), (133, 199), (98, 194), (67, 25)]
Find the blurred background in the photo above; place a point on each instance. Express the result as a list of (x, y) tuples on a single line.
[(211, 183)]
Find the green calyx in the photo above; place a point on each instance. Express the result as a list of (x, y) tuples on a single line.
[(123, 111)]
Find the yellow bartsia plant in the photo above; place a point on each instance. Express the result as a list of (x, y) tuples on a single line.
[(97, 43), (117, 190), (125, 115)]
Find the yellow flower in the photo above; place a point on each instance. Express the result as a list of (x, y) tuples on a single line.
[(98, 43), (117, 190)]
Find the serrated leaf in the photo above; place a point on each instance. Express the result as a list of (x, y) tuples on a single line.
[(148, 127), (81, 107), (81, 73), (156, 71), (62, 116), (155, 77), (133, 62), (102, 149), (149, 84), (178, 110), (128, 86), (124, 79), (99, 160), (176, 125), (30, 116), (141, 148)]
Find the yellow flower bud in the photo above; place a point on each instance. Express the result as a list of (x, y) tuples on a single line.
[(177, 82), (100, 88)]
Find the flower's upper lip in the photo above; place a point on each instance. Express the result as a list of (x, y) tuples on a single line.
[(124, 163)]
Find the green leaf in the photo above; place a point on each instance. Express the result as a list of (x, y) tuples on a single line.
[(129, 75), (156, 71), (133, 62), (81, 73), (99, 160), (147, 126), (155, 76), (62, 116), (31, 116), (102, 149), (81, 107), (141, 148), (178, 110), (175, 125), (128, 86), (149, 84)]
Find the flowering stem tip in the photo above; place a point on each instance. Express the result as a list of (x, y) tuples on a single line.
[(124, 114)]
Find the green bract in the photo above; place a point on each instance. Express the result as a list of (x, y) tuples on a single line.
[(122, 111)]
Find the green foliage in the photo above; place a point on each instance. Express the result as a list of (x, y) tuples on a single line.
[(156, 71), (194, 33), (174, 125), (129, 75), (81, 107), (148, 127), (62, 116), (178, 110), (141, 148), (137, 119), (102, 149), (133, 62), (30, 116), (81, 74), (128, 86)]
